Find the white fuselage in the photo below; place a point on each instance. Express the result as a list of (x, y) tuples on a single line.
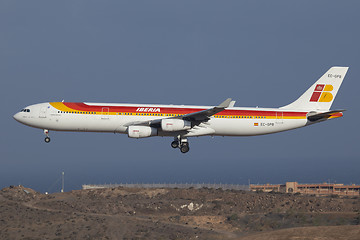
[(102, 117)]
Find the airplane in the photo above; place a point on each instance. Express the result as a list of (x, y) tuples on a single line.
[(182, 122)]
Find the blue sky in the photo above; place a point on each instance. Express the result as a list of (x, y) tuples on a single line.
[(260, 53)]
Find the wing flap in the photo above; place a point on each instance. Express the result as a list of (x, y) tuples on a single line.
[(200, 131)]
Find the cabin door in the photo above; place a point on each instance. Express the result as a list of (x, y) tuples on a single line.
[(42, 113), (105, 113), (279, 118)]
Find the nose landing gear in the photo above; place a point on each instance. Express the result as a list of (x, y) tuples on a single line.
[(47, 139), (181, 143)]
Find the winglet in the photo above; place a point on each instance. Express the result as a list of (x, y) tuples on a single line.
[(225, 103), (232, 104)]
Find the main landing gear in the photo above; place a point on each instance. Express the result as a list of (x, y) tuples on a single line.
[(47, 139), (181, 143)]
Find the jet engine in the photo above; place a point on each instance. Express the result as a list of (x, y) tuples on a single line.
[(172, 125), (141, 131)]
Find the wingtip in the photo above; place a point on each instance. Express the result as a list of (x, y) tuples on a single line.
[(225, 103)]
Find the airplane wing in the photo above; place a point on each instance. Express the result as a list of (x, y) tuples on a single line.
[(205, 114), (197, 117), (319, 116)]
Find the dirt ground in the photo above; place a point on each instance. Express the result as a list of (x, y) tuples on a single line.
[(135, 213)]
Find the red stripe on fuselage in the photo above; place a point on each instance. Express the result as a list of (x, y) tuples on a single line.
[(169, 110)]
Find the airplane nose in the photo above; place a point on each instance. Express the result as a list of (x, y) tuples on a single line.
[(17, 117)]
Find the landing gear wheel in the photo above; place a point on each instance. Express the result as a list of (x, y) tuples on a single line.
[(184, 148), (175, 144), (47, 139)]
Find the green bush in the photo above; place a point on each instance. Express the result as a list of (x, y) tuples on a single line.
[(233, 217)]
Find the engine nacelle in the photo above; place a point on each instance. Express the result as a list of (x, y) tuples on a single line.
[(172, 125), (141, 131)]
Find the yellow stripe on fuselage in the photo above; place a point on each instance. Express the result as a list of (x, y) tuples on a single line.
[(61, 107)]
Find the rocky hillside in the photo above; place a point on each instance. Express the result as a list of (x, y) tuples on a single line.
[(134, 213)]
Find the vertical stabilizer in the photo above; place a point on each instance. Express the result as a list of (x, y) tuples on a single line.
[(321, 94)]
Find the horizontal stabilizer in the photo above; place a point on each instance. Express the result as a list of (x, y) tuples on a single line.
[(313, 116)]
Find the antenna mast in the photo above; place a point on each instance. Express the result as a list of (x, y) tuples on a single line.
[(62, 185)]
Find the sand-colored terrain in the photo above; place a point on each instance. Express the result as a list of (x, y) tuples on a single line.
[(134, 213)]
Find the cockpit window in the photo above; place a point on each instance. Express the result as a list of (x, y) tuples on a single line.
[(25, 110)]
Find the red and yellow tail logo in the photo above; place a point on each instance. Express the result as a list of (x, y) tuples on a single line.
[(322, 93)]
